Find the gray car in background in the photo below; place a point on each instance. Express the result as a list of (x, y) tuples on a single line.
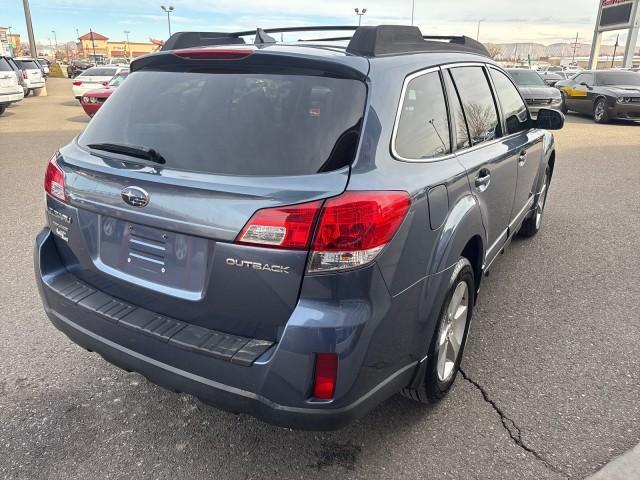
[(293, 231), (535, 91)]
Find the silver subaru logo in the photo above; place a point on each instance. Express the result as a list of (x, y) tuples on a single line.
[(135, 196)]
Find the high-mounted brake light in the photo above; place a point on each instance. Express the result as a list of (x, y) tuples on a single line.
[(355, 227), (54, 180), (213, 53), (77, 83), (281, 227), (352, 229), (325, 376)]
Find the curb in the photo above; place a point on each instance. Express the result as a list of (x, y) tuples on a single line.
[(624, 467)]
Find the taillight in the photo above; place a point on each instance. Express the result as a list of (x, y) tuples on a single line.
[(352, 229), (54, 180), (213, 53), (24, 74), (77, 83), (355, 227), (281, 227), (325, 375), (105, 83)]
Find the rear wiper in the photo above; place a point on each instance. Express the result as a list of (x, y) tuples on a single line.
[(135, 151)]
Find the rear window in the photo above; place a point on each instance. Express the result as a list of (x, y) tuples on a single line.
[(28, 64), (99, 72), (236, 123), (4, 65)]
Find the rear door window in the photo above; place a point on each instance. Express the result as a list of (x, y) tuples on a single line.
[(236, 123), (514, 110), (4, 66), (478, 103), (457, 114), (423, 128)]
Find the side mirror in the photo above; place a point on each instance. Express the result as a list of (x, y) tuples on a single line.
[(585, 84), (549, 119)]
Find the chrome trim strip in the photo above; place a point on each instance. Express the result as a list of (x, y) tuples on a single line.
[(503, 236), (524, 209)]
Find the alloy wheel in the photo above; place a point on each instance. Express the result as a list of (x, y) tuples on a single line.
[(452, 332), (542, 200)]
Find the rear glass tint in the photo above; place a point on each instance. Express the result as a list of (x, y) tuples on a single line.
[(99, 72), (236, 123), (4, 66), (28, 65)]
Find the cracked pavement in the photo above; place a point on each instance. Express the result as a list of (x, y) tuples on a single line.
[(551, 367)]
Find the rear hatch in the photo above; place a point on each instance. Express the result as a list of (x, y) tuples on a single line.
[(158, 229), (8, 80), (32, 69)]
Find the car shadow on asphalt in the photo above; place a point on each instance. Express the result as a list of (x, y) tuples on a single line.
[(79, 119), (70, 103)]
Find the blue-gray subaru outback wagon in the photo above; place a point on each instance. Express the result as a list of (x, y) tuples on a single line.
[(294, 231)]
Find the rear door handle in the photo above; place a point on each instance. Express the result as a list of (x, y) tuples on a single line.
[(483, 180), (522, 158)]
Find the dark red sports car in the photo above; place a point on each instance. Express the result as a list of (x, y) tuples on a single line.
[(92, 100)]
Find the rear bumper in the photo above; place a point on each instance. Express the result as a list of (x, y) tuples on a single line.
[(275, 387), (6, 99)]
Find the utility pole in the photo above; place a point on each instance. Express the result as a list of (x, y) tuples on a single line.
[(575, 46), (413, 10), (27, 18), (169, 10), (95, 59), (55, 43), (478, 35), (615, 49), (360, 14), (128, 49)]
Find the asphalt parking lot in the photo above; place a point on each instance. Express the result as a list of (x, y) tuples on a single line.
[(551, 385)]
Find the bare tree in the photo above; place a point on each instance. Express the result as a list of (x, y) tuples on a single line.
[(494, 50)]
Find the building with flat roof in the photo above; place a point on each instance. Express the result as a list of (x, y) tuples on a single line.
[(96, 47)]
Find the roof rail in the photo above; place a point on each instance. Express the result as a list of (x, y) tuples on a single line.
[(369, 41)]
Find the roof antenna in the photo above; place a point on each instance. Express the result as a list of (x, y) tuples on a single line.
[(262, 37)]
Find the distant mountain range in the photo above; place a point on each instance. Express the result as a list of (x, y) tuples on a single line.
[(539, 51)]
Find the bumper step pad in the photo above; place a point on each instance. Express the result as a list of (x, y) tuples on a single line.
[(223, 346)]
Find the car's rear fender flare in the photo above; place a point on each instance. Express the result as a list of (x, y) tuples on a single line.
[(463, 223)]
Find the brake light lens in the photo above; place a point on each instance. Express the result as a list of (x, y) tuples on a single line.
[(24, 74), (77, 83), (281, 227), (54, 180), (213, 53), (355, 227), (325, 376)]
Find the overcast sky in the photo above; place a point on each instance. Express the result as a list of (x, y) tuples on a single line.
[(543, 21)]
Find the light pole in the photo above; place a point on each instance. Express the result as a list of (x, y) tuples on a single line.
[(360, 14), (128, 49), (413, 10), (169, 10), (478, 35), (55, 43), (32, 40)]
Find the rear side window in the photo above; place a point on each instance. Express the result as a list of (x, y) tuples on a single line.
[(236, 123), (513, 108), (462, 133), (423, 127), (99, 72), (478, 104), (4, 66)]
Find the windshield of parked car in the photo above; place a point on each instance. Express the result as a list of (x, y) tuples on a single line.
[(235, 123), (618, 78), (99, 72), (526, 78), (118, 79)]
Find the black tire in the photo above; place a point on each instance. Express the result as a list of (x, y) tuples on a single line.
[(2, 109), (600, 111), (26, 93), (432, 389), (532, 225), (564, 108)]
